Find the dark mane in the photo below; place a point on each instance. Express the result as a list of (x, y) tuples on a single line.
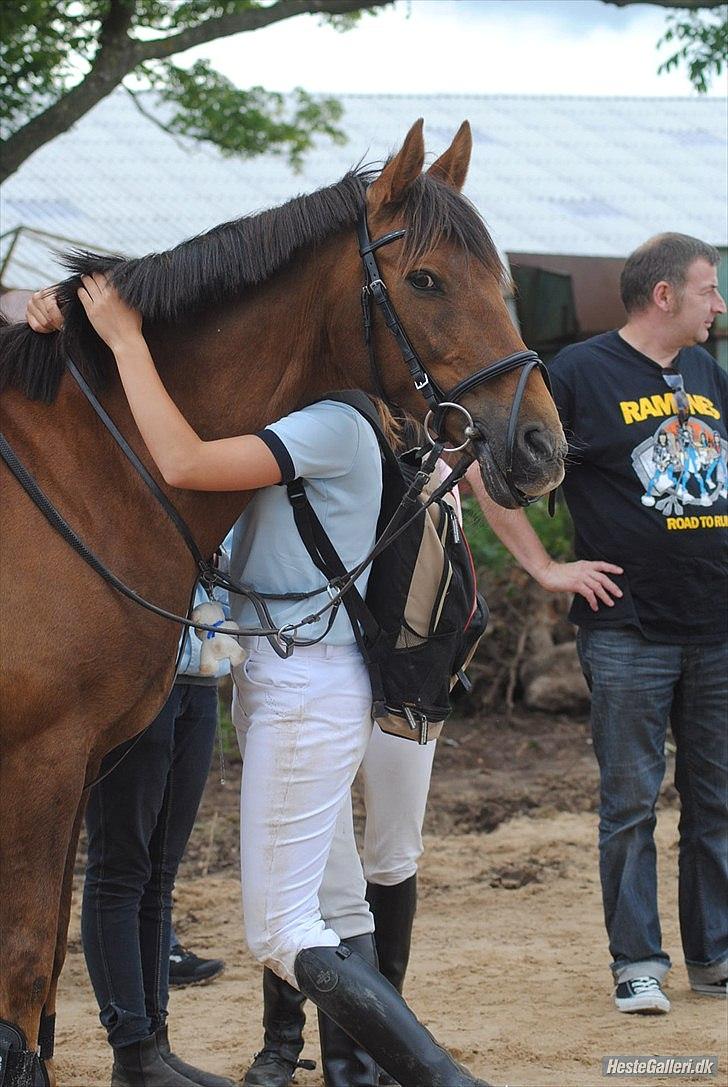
[(222, 263), (228, 259)]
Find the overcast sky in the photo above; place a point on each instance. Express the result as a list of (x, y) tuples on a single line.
[(582, 47)]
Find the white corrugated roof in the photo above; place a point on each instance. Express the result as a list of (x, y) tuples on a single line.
[(584, 176)]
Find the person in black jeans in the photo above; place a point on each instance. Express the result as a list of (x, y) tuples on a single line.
[(139, 819)]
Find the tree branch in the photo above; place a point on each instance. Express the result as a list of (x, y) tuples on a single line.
[(116, 25), (111, 63), (151, 116), (691, 5), (250, 19)]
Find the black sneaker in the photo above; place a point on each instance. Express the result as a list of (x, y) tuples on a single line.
[(186, 968), (642, 995)]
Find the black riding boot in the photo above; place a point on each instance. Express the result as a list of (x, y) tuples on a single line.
[(19, 1066), (367, 1007), (393, 909), (203, 1079), (344, 1061), (283, 1020), (141, 1065), (46, 1044)]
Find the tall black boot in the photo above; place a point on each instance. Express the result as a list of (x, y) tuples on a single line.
[(283, 1021), (366, 1006), (393, 909), (344, 1061), (140, 1065), (46, 1045), (19, 1066), (197, 1075)]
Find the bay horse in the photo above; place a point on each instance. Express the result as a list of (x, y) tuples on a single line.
[(246, 323)]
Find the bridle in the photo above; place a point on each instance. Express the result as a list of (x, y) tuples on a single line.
[(439, 402)]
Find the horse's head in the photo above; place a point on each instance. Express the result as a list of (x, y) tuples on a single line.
[(445, 279)]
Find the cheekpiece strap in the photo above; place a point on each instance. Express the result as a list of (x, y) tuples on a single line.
[(376, 288)]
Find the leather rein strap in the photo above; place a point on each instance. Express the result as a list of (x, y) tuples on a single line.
[(59, 523), (174, 515), (375, 289)]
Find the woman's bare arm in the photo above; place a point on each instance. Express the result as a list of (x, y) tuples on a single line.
[(240, 463)]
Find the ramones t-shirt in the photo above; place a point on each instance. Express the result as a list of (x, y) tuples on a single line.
[(646, 490)]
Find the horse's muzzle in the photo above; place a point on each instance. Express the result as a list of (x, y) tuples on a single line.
[(538, 467)]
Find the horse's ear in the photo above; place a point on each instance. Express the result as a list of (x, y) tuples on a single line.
[(452, 165), (400, 172)]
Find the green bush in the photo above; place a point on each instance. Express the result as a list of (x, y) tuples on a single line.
[(556, 534)]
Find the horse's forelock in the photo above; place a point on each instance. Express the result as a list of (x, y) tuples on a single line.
[(435, 212)]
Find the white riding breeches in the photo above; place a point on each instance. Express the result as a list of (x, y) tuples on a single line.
[(396, 775), (396, 778), (303, 725)]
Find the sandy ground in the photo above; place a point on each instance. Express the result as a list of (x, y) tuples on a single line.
[(508, 969)]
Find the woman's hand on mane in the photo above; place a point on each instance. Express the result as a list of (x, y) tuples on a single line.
[(43, 313), (116, 323)]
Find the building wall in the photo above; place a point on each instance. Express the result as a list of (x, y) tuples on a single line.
[(595, 286)]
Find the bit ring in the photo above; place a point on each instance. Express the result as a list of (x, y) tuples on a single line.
[(468, 426)]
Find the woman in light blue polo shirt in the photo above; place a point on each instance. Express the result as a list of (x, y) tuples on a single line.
[(309, 717)]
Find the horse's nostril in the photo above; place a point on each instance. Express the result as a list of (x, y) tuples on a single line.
[(537, 442)]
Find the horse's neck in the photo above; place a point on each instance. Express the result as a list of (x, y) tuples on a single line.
[(246, 365)]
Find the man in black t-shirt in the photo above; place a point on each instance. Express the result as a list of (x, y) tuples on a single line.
[(645, 409)]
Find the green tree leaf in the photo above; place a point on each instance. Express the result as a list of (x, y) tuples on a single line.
[(208, 106), (556, 534), (704, 44)]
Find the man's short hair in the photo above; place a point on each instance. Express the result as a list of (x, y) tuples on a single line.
[(665, 257)]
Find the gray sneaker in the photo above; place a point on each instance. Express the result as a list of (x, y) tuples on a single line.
[(710, 988), (643, 995)]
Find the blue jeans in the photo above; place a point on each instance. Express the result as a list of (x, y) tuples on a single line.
[(139, 819), (637, 687)]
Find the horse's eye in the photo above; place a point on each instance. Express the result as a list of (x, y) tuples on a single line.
[(424, 281)]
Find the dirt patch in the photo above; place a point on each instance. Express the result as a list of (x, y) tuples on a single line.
[(509, 965)]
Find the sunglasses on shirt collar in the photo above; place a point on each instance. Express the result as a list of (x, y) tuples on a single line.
[(674, 380)]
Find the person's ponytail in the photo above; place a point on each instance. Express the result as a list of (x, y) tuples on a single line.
[(401, 431)]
